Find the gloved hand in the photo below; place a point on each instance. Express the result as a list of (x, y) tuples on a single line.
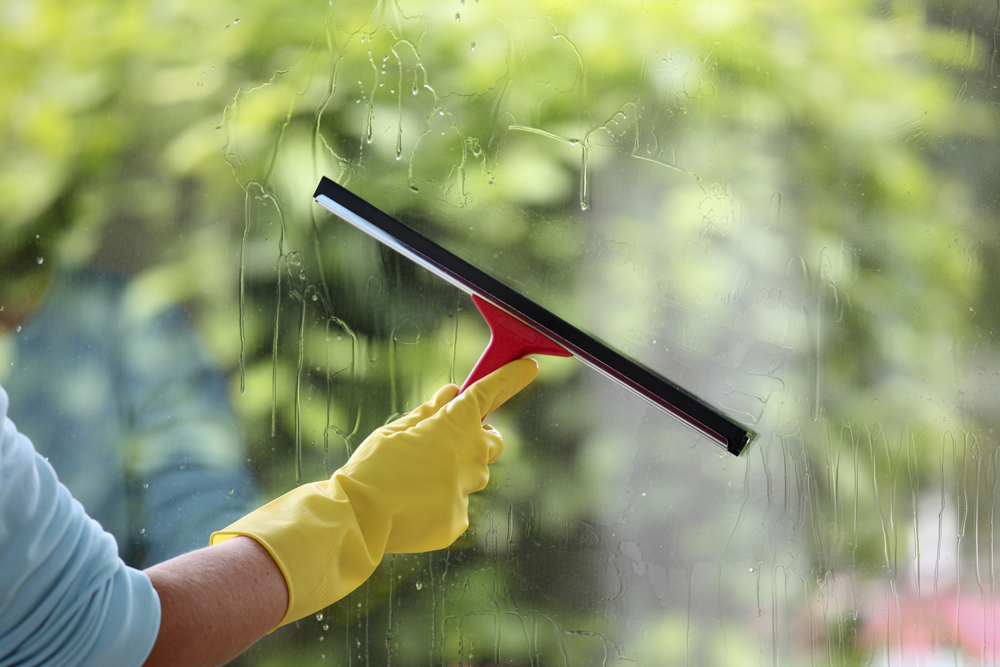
[(404, 490)]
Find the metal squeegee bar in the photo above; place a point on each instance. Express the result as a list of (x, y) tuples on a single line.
[(643, 381)]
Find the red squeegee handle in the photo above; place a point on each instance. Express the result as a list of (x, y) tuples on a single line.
[(510, 339)]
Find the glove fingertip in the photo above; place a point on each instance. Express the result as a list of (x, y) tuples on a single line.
[(499, 386)]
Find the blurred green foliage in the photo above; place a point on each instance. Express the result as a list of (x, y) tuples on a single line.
[(795, 203)]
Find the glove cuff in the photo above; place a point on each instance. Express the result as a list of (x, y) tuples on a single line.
[(314, 536)]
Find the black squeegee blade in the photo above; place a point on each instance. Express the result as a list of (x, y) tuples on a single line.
[(640, 379)]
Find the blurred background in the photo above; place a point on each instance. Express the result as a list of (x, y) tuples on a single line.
[(791, 209)]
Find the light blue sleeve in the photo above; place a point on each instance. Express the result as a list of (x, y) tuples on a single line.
[(66, 598)]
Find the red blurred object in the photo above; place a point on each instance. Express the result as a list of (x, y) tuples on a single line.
[(921, 626)]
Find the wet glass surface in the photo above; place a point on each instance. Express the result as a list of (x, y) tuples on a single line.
[(790, 210)]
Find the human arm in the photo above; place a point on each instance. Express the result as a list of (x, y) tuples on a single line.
[(67, 599), (405, 489), (65, 596), (216, 602)]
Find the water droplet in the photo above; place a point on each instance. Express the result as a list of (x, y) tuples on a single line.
[(142, 530), (40, 260), (414, 89), (458, 17), (473, 46), (145, 485), (751, 569), (319, 616), (419, 585), (18, 328)]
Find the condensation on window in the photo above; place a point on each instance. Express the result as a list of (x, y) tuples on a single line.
[(789, 209), (778, 207)]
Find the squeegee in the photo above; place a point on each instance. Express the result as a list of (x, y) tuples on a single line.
[(519, 326)]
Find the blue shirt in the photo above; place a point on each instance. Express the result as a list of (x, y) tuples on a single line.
[(66, 598)]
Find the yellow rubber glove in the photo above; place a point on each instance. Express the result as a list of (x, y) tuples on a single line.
[(404, 490)]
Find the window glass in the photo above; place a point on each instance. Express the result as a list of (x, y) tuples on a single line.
[(787, 208)]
